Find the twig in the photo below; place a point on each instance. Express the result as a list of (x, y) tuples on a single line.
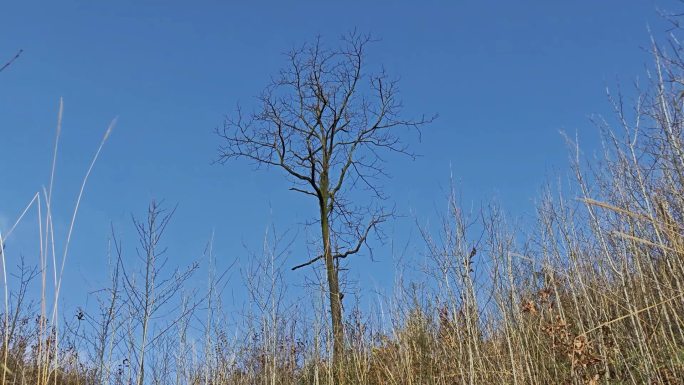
[(9, 63), (307, 263)]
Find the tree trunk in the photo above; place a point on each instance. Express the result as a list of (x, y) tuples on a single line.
[(333, 282)]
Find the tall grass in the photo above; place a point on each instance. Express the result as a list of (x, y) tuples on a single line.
[(31, 346), (593, 293)]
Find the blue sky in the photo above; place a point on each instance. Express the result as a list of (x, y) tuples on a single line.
[(505, 77)]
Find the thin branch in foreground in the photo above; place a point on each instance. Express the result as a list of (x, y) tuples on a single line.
[(9, 63)]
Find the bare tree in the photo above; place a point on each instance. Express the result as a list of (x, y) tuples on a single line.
[(148, 291), (326, 122)]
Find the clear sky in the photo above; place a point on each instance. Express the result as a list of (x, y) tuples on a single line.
[(504, 76)]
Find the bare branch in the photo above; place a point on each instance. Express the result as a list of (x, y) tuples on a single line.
[(362, 239), (308, 263), (9, 63)]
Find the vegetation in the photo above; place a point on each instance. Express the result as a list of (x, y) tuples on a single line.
[(319, 125), (592, 294)]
